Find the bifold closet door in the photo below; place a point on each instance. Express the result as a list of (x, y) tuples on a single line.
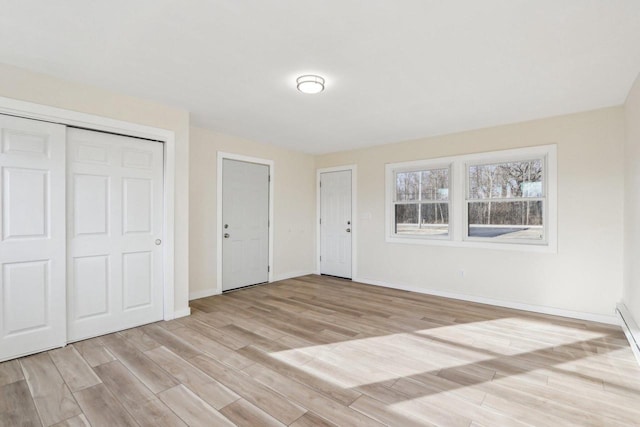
[(114, 211), (32, 236)]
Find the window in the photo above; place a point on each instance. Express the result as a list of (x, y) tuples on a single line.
[(505, 201), (502, 199), (421, 203)]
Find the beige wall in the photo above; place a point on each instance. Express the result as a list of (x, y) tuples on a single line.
[(294, 207), (24, 85), (584, 276), (631, 297)]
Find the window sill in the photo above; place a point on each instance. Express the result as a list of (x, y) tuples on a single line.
[(478, 244)]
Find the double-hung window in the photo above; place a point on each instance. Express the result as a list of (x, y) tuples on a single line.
[(501, 199), (421, 202), (506, 200)]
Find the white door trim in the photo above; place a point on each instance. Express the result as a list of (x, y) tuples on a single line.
[(231, 156), (32, 110), (354, 214)]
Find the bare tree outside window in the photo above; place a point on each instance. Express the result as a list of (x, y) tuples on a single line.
[(422, 202), (505, 200)]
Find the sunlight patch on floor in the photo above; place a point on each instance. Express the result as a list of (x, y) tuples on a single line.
[(376, 359), (438, 408)]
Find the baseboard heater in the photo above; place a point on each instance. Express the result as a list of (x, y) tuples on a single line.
[(631, 330)]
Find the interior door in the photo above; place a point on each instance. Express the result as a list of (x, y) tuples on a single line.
[(335, 223), (245, 219), (32, 236), (114, 232)]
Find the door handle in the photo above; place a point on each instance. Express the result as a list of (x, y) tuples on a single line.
[(226, 235), (348, 230), (158, 242)]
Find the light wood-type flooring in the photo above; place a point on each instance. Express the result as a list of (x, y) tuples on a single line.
[(318, 351)]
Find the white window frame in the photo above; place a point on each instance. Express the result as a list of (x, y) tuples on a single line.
[(458, 196), (419, 167)]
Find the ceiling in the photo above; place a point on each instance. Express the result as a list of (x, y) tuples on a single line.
[(395, 69)]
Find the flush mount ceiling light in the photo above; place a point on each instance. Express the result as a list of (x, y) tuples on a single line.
[(310, 83)]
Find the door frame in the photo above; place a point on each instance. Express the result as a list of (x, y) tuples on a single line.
[(354, 214), (242, 158), (30, 110)]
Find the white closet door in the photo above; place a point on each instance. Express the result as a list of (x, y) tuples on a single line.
[(245, 218), (114, 232), (335, 225), (32, 236)]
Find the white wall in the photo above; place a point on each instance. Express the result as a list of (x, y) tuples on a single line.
[(585, 276), (294, 207), (25, 85), (631, 297)]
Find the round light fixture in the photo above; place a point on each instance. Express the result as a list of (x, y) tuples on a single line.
[(310, 83)]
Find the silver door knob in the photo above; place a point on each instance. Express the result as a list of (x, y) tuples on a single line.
[(348, 230), (226, 235), (158, 242)]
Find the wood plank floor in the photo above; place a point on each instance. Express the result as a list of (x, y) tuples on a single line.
[(318, 351)]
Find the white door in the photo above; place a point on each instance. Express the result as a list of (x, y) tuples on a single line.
[(245, 219), (114, 232), (32, 236), (335, 223)]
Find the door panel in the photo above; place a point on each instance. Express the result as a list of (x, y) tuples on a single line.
[(26, 284), (245, 212), (335, 226), (25, 203), (138, 279), (138, 196), (115, 187), (32, 230), (25, 143), (91, 275), (91, 204)]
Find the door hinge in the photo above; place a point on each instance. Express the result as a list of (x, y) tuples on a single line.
[(320, 220), (320, 184), (268, 268), (320, 257), (269, 178)]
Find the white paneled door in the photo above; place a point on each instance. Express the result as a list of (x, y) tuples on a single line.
[(335, 223), (245, 219), (32, 236), (114, 232)]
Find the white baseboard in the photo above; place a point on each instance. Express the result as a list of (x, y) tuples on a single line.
[(213, 291), (182, 313), (203, 294), (611, 320), (630, 328), (292, 274)]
